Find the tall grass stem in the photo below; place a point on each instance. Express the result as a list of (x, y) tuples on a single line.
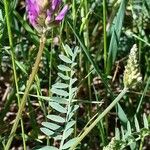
[(29, 83), (105, 34), (13, 64)]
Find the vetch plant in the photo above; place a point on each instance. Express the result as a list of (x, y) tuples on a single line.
[(61, 122), (41, 15)]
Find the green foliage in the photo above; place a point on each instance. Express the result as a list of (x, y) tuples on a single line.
[(115, 32), (105, 31), (61, 123), (130, 135)]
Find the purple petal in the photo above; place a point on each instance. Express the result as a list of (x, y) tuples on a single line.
[(49, 16), (55, 4), (32, 9), (62, 14)]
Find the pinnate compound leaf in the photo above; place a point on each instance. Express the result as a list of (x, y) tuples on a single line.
[(64, 68), (69, 143), (70, 124), (56, 118), (65, 59), (57, 107), (50, 125), (46, 131), (48, 148), (59, 92), (60, 85), (68, 133), (63, 76)]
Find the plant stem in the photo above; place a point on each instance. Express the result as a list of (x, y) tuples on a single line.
[(141, 143), (13, 64), (29, 83), (105, 34), (88, 129)]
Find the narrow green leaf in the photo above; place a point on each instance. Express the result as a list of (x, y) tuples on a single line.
[(65, 59), (64, 68), (145, 121), (115, 35), (59, 100), (128, 129), (59, 92), (56, 118), (75, 108), (72, 73), (63, 76), (21, 66), (73, 90), (136, 124), (73, 64), (69, 143), (57, 107), (68, 50), (117, 134), (70, 124), (122, 133), (46, 131), (60, 85), (121, 114), (72, 81), (48, 148), (50, 125), (68, 133), (70, 115)]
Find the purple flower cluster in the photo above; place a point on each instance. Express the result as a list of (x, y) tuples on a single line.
[(43, 13)]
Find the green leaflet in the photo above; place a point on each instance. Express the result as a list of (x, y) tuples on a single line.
[(60, 85), (59, 92), (48, 148), (69, 143), (68, 133), (58, 107), (47, 131), (56, 118), (50, 125), (65, 59), (64, 68)]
